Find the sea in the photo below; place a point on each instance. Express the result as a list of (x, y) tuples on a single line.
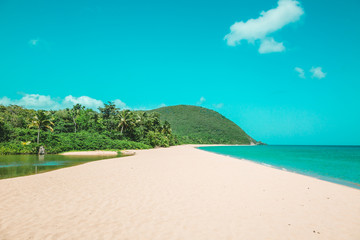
[(338, 164)]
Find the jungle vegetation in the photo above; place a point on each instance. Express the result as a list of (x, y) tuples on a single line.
[(23, 130), (78, 128)]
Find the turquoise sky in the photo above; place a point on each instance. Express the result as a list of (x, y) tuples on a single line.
[(287, 72)]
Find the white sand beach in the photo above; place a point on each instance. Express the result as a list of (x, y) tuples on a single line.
[(90, 153), (176, 193)]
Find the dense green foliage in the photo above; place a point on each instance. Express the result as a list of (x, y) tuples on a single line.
[(41, 121), (24, 130), (63, 142), (194, 124)]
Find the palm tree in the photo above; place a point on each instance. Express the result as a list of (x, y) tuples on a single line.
[(166, 128), (153, 122), (42, 121), (140, 118), (75, 112), (125, 120)]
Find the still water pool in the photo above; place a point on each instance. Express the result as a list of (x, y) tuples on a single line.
[(21, 165)]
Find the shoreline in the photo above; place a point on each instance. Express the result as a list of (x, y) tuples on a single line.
[(90, 153), (176, 193)]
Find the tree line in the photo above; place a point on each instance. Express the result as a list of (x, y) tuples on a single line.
[(79, 128)]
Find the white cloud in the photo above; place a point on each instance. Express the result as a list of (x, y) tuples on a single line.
[(317, 72), (270, 45), (259, 29), (37, 101), (201, 101), (5, 101), (219, 105), (120, 104), (32, 101), (86, 101), (300, 71)]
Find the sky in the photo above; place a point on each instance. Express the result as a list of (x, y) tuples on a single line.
[(285, 71)]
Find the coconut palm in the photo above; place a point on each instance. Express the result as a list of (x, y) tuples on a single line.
[(166, 128), (140, 118), (125, 120), (42, 120), (153, 122)]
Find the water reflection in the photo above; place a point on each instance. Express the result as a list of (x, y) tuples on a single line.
[(20, 165), (41, 158)]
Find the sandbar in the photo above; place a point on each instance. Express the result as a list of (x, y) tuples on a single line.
[(90, 153)]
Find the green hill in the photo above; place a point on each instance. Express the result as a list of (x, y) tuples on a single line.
[(194, 124)]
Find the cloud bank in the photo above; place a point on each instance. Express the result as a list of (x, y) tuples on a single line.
[(259, 29), (37, 101), (86, 101)]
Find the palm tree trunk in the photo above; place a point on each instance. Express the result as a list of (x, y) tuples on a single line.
[(74, 124), (38, 136), (122, 128)]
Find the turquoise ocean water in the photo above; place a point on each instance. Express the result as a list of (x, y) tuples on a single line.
[(339, 164)]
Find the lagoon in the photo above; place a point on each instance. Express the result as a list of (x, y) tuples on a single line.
[(21, 165)]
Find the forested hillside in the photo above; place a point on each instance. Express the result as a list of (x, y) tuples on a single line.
[(194, 124)]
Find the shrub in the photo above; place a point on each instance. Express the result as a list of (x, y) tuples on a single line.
[(156, 139), (56, 143), (19, 148)]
